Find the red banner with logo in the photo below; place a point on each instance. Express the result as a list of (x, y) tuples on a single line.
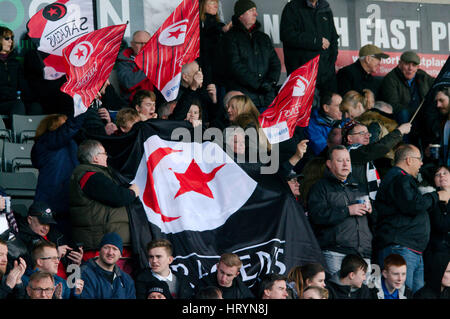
[(175, 43), (89, 62), (292, 106)]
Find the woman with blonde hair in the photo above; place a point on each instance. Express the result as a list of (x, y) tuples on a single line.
[(354, 104), (243, 112), (54, 154)]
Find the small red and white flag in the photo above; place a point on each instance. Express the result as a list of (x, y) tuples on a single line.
[(89, 62), (292, 106), (175, 43), (55, 27)]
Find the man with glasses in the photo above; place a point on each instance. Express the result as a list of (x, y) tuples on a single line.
[(131, 77), (98, 201), (360, 74), (356, 137), (41, 286), (46, 259), (403, 222)]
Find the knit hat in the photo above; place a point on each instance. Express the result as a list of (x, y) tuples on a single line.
[(161, 287), (241, 6), (410, 56), (112, 239)]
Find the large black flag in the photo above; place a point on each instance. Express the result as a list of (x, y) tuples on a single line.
[(206, 204)]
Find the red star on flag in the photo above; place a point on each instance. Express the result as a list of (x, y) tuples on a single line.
[(52, 11), (176, 33), (195, 180), (79, 53)]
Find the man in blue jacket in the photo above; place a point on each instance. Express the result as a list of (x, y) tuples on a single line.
[(103, 279), (322, 121)]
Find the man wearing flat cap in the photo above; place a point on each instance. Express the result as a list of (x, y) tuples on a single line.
[(252, 65), (359, 75), (405, 86)]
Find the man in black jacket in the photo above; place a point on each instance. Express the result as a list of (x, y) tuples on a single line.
[(307, 30), (359, 75), (227, 278), (403, 223), (340, 222), (252, 63), (159, 258), (348, 283)]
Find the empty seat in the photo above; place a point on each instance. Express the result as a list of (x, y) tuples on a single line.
[(5, 134), (19, 185), (24, 127), (16, 156)]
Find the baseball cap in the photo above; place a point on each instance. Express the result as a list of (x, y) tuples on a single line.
[(43, 212), (370, 49), (410, 56), (293, 174)]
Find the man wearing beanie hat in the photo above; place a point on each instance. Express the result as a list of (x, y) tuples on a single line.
[(103, 279), (307, 30), (405, 87), (359, 75), (251, 63)]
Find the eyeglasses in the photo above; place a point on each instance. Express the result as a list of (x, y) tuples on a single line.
[(103, 153), (418, 158), (362, 133), (46, 291), (9, 38), (53, 258)]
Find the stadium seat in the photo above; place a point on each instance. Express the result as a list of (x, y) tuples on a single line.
[(5, 134), (19, 185), (16, 156), (24, 127)]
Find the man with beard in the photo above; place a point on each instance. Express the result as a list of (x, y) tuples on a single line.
[(11, 285), (442, 99), (103, 279)]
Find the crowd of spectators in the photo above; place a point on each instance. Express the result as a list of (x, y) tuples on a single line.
[(374, 186)]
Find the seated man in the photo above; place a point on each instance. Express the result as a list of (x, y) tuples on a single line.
[(98, 201), (391, 282), (405, 86), (11, 285), (46, 259), (226, 278), (348, 282), (131, 77), (273, 286), (40, 225), (159, 258), (323, 120), (41, 286), (359, 75), (340, 222), (103, 279)]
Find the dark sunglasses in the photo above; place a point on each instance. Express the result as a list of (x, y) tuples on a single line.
[(9, 38)]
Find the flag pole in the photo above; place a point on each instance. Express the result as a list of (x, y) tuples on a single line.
[(417, 111)]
